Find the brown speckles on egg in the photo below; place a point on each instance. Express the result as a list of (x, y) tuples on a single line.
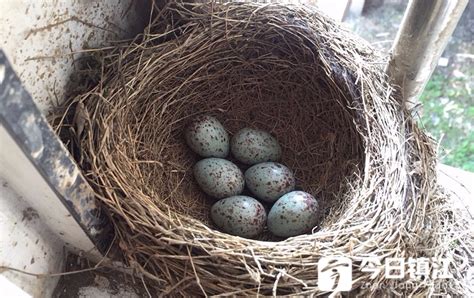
[(218, 177), (251, 146), (239, 215), (268, 181), (207, 137), (293, 214)]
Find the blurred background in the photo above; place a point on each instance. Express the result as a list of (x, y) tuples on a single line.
[(447, 103), (446, 108)]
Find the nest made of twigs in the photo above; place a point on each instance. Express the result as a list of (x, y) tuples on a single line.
[(287, 70)]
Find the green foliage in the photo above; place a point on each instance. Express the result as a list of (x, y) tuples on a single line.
[(448, 115)]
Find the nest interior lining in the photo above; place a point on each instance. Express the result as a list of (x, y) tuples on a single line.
[(266, 84), (319, 140)]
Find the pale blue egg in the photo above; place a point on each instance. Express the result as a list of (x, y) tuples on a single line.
[(252, 146), (268, 181), (240, 216), (207, 137), (219, 177), (293, 214)]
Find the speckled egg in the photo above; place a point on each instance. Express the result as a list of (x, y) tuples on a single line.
[(268, 181), (240, 216), (293, 214), (252, 146), (219, 177), (207, 137)]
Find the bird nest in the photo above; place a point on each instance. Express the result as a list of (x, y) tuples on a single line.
[(294, 73)]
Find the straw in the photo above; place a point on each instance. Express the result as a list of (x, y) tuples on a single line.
[(290, 71)]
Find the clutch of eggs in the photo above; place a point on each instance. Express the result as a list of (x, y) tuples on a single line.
[(293, 212)]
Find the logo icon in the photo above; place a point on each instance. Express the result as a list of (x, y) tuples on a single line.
[(335, 273)]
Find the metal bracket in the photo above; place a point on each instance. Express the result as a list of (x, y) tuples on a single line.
[(28, 127)]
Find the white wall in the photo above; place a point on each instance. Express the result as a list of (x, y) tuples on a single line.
[(38, 37), (27, 244)]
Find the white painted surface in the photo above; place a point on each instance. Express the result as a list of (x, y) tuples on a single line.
[(9, 289), (26, 243), (356, 7), (334, 9), (22, 176), (38, 36), (461, 184)]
